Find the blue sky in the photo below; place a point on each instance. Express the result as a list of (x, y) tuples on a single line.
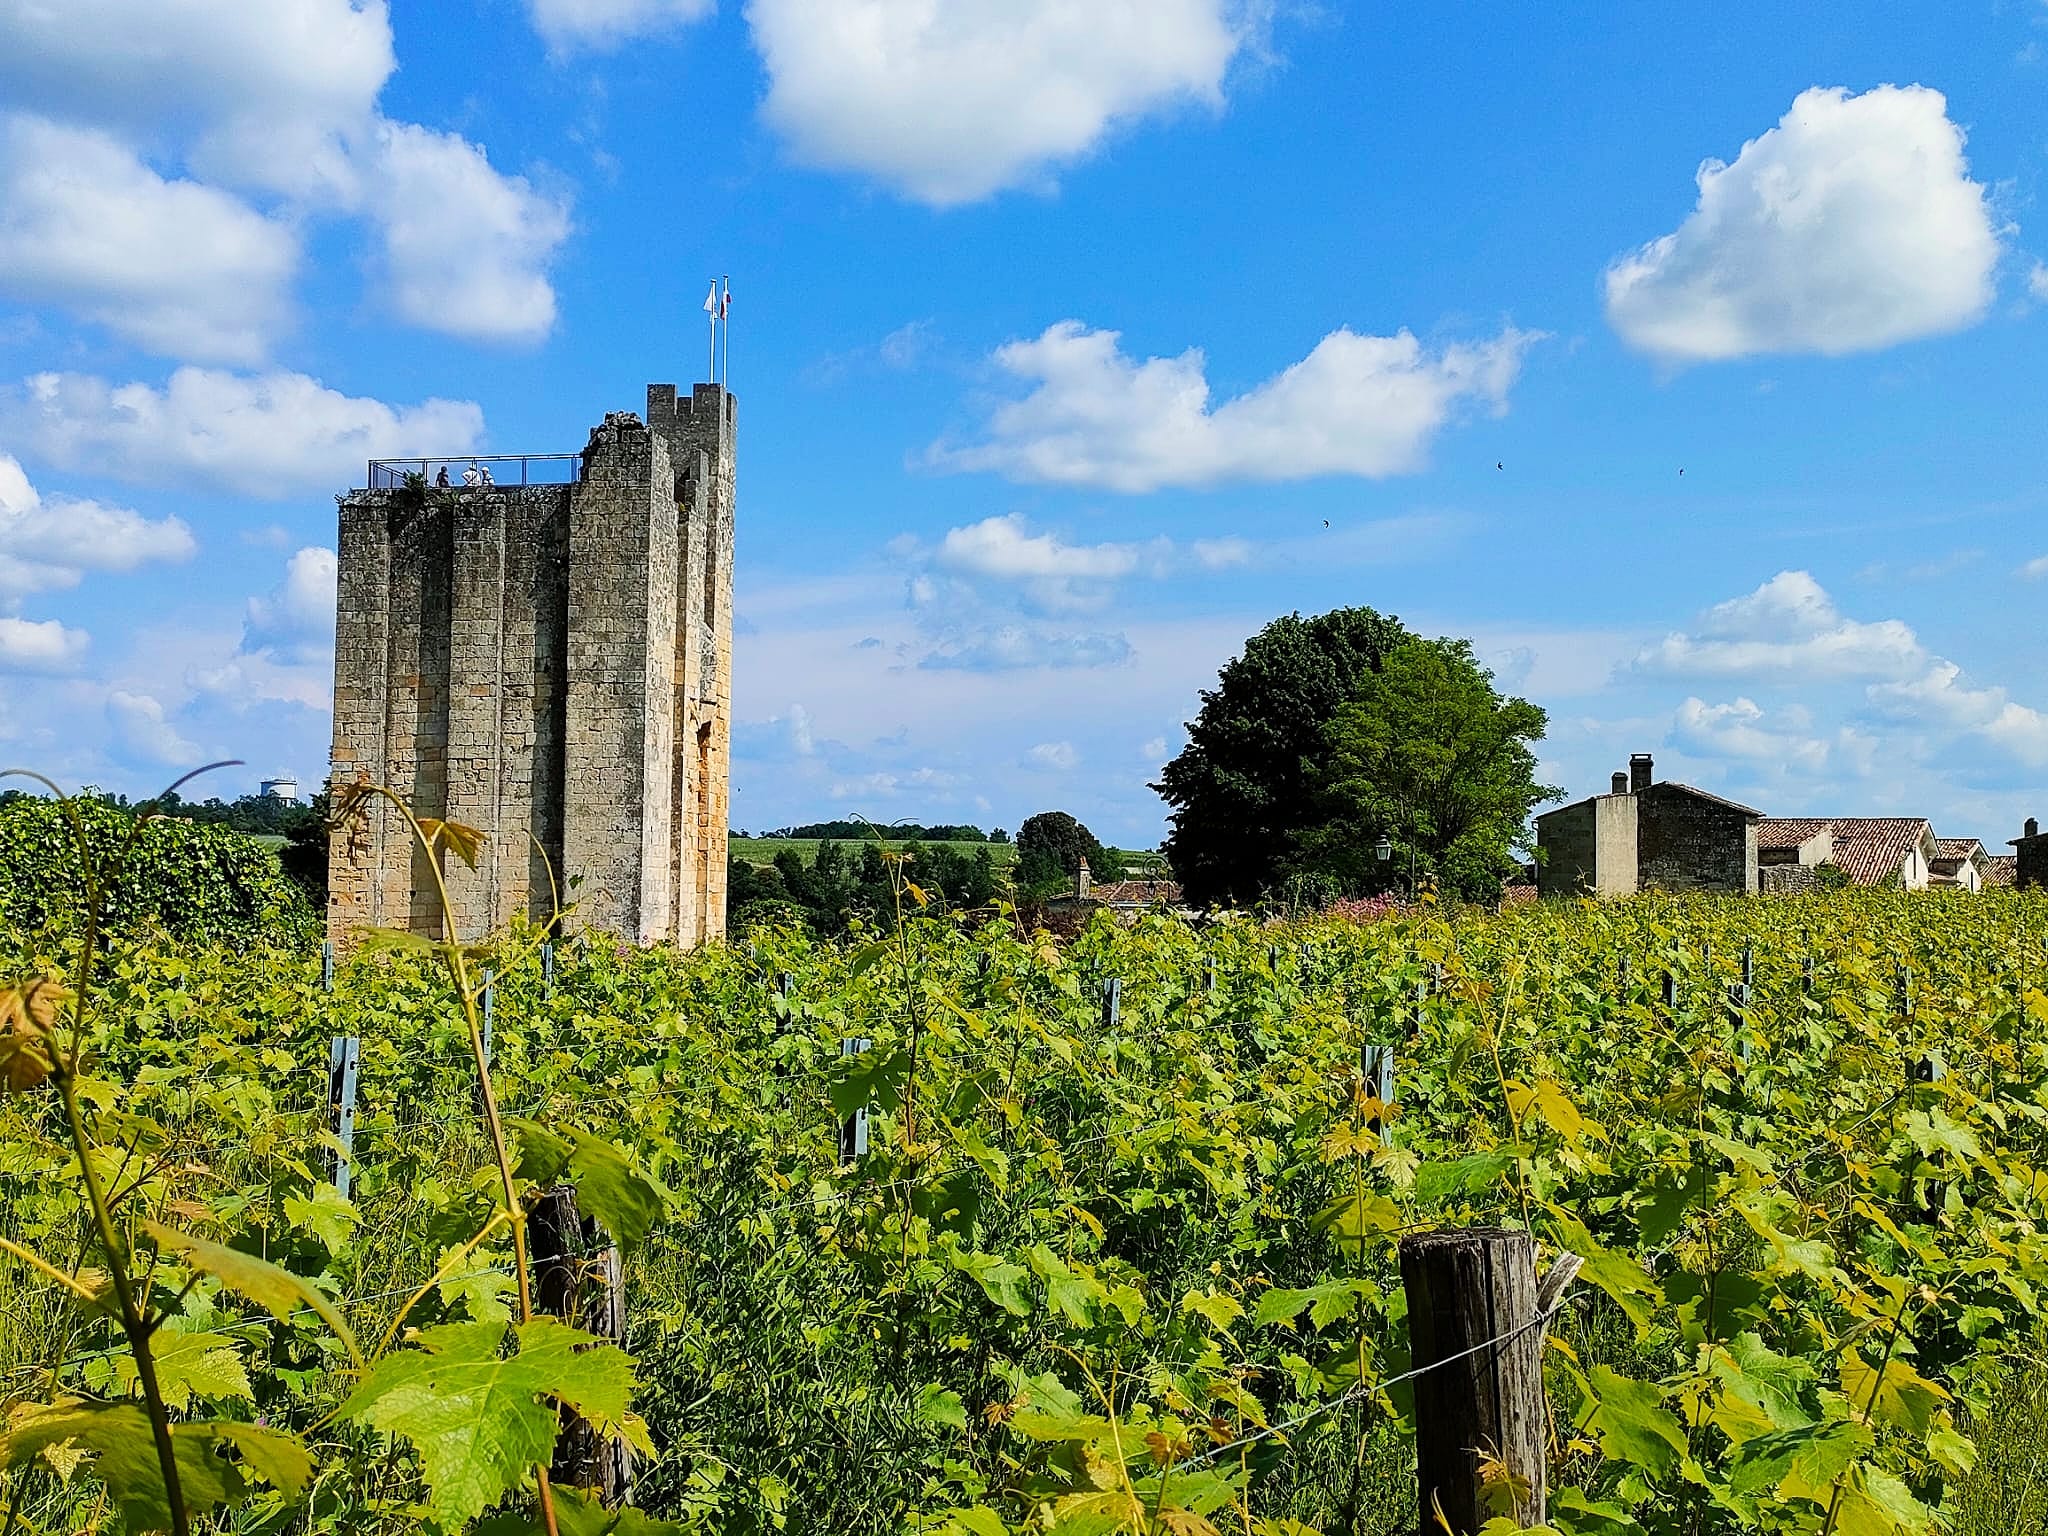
[(1691, 366)]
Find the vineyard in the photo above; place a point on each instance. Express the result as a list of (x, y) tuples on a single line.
[(954, 1229)]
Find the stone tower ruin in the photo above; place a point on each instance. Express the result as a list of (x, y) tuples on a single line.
[(550, 664)]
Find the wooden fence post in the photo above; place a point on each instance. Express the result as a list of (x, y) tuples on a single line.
[(1475, 1327), (579, 1278)]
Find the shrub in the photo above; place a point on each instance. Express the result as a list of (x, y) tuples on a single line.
[(184, 880)]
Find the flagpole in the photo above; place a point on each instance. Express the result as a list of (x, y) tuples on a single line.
[(725, 314), (711, 362)]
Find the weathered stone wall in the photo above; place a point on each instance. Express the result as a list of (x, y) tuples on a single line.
[(619, 745), (1588, 848), (1788, 879), (449, 605), (701, 437), (551, 665), (2032, 868), (1687, 842)]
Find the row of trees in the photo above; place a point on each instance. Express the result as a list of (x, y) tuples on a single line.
[(855, 880), (1331, 734), (848, 881), (864, 831)]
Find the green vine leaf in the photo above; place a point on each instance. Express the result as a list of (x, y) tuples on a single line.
[(609, 1185), (207, 1365), (1007, 1285), (481, 1420), (1633, 1423), (124, 1457), (277, 1291)]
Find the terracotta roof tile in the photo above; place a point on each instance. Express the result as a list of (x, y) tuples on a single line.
[(1146, 892), (1788, 831), (1956, 847), (2001, 869), (1870, 849)]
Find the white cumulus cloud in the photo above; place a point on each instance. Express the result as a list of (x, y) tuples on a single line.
[(465, 246), (949, 101), (1059, 756), (298, 616), (1790, 636), (174, 266), (594, 25), (1744, 729), (1942, 699), (1787, 627), (143, 730), (2035, 568), (48, 543), (271, 434), (266, 93), (1851, 225), (252, 95), (2037, 281), (1005, 548), (40, 645), (1356, 405)]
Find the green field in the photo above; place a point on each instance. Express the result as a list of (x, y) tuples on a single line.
[(762, 850)]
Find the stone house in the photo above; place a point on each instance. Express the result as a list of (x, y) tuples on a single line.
[(2030, 856), (1643, 835), (1794, 841), (1896, 851), (1959, 862)]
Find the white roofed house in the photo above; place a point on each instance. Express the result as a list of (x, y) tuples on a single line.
[(1962, 862)]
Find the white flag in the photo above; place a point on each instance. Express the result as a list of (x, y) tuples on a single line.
[(711, 299)]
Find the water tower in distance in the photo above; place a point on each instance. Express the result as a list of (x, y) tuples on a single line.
[(280, 789)]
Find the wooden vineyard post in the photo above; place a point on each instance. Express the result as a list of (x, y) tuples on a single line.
[(1475, 1327), (579, 1278)]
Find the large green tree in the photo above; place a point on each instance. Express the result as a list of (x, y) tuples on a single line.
[(1249, 784), (1050, 847), (1431, 756)]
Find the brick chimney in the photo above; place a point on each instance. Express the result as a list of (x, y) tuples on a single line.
[(1639, 775), (1619, 784), (1081, 880)]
